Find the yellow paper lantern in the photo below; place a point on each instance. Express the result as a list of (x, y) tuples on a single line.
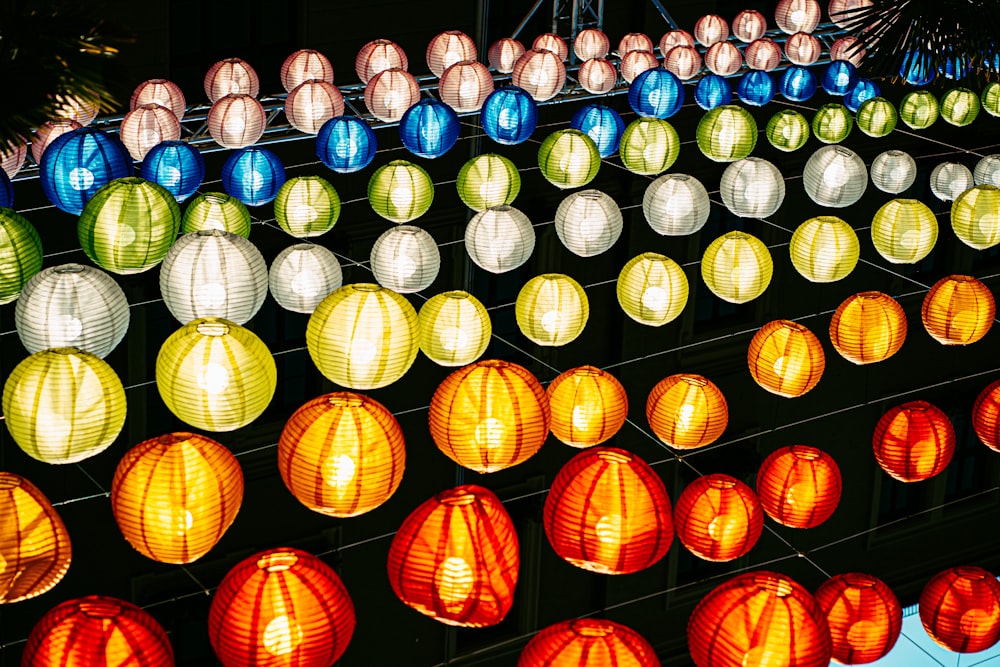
[(785, 358), (552, 309), (687, 411), (975, 216), (649, 146), (737, 267), (824, 249), (455, 328), (868, 327), (958, 310), (904, 231), (652, 289), (589, 406)]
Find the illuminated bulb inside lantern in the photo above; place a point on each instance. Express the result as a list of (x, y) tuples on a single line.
[(539, 77), (401, 197), (582, 417), (653, 153), (609, 529), (149, 137), (303, 213), (379, 64), (490, 433), (507, 119), (591, 229), (797, 17), (392, 99), (468, 89), (653, 97), (720, 527), (66, 328), (909, 239), (961, 106), (974, 620), (305, 283), (362, 351), (490, 190), (779, 366), (405, 268), (347, 148), (256, 180), (81, 178), (551, 321), (684, 415), (209, 295), (235, 125), (654, 298), (213, 379), (800, 495), (863, 635), (835, 175), (339, 470), (450, 58), (3, 564), (843, 78), (126, 235), (454, 582), (170, 176), (457, 340), (281, 635)]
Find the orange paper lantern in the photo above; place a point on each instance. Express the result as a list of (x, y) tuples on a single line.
[(986, 415), (786, 358), (799, 486), (588, 406), (377, 56), (718, 518), (960, 609), (914, 441), (868, 327), (687, 411), (588, 641), (863, 614), (958, 310)]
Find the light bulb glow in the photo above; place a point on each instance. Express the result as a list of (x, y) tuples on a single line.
[(281, 636), (339, 471), (213, 379), (81, 178), (490, 433)]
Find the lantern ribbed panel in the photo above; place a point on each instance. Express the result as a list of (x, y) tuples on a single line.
[(455, 558), (987, 171), (675, 37), (787, 130), (159, 91), (81, 109), (146, 126), (488, 180), (304, 65), (752, 188), (749, 25), (405, 259), (676, 205), (847, 48), (216, 210), (48, 132), (363, 336), (588, 641), (864, 616), (718, 518), (762, 54), (215, 375), (390, 93), (824, 249), (597, 76), (63, 405), (684, 62), (97, 630), (960, 609), (504, 53), (489, 415), (990, 98), (342, 454), (919, 109), (975, 216), (634, 41), (588, 222), (589, 406), (302, 275), (20, 253), (877, 117), (803, 49), (429, 128), (447, 48), (868, 327), (310, 104), (959, 106), (34, 545), (549, 41), (727, 133), (737, 267), (175, 496), (377, 56), (832, 123), (904, 231), (552, 309), (568, 159), (280, 607), (835, 176), (541, 73), (799, 486), (687, 411), (652, 289), (893, 171), (499, 239), (306, 206), (78, 163), (591, 43), (400, 191), (723, 58), (792, 16), (635, 63), (710, 29), (455, 328), (986, 415), (232, 76), (176, 165), (608, 512), (236, 121), (786, 358), (465, 85), (649, 146), (958, 310)]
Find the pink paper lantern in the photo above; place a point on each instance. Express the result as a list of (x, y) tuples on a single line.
[(844, 12), (591, 43), (12, 157), (549, 41), (82, 110), (635, 63), (794, 16), (232, 76), (465, 85), (803, 49), (305, 65), (504, 53), (749, 25), (160, 91), (634, 41), (763, 54), (710, 29), (147, 125), (673, 38), (236, 121), (723, 58), (390, 93), (47, 132), (597, 76), (683, 61), (310, 104), (377, 56), (848, 48), (448, 48), (541, 73)]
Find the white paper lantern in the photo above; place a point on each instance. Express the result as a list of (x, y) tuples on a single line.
[(310, 104), (635, 63), (676, 205), (405, 259), (390, 93), (504, 53), (377, 56), (147, 125), (752, 188), (597, 76), (588, 222), (835, 176), (893, 171), (302, 275), (987, 171), (465, 85), (499, 239), (448, 48), (723, 58), (950, 179), (591, 43)]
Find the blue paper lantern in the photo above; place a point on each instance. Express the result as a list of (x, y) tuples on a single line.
[(602, 124), (429, 128), (6, 191), (756, 87), (656, 93), (955, 65), (509, 115), (177, 166), (345, 144), (253, 175), (78, 164), (864, 89), (916, 68), (839, 77), (712, 91), (797, 84)]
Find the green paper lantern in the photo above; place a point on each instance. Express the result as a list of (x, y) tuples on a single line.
[(216, 210), (832, 123), (959, 106), (307, 206), (488, 180), (990, 98), (877, 117), (788, 130), (129, 225), (727, 133), (569, 159), (20, 253), (649, 146), (400, 191), (919, 109)]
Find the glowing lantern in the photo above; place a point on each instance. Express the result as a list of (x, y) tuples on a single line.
[(488, 180), (400, 191), (687, 411), (236, 121), (499, 239), (305, 65), (848, 48), (718, 518), (231, 76), (552, 309), (960, 609), (602, 124), (712, 91), (390, 93), (843, 13), (34, 547), (987, 171), (763, 54), (509, 115), (749, 25), (302, 275), (839, 77), (504, 53), (656, 93), (832, 123), (588, 222), (649, 146), (377, 56), (752, 188), (282, 606), (787, 130), (307, 206), (986, 415), (97, 630), (429, 128), (990, 98), (46, 133), (159, 91), (802, 49), (597, 76), (253, 175), (635, 63), (919, 109), (550, 41), (405, 259), (835, 176), (949, 180), (539, 73), (723, 58), (634, 41), (864, 616), (799, 486), (797, 84), (465, 86), (914, 441), (755, 88), (975, 216), (673, 38), (345, 144), (589, 406), (710, 29), (727, 133), (311, 104), (959, 106), (177, 166), (652, 289), (455, 328), (12, 155), (904, 231), (20, 253), (958, 310), (737, 267), (824, 249), (794, 16), (568, 159), (216, 210), (877, 117), (455, 558), (591, 43), (868, 327), (79, 163), (684, 62), (146, 126), (342, 454), (588, 641), (785, 358), (863, 90), (893, 171)]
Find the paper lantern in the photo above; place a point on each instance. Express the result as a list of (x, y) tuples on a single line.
[(723, 58), (960, 609), (759, 617), (488, 180), (236, 121), (797, 84), (455, 558), (919, 109), (608, 512), (635, 63), (864, 616), (687, 411), (835, 176), (281, 606), (718, 518), (429, 128), (824, 249), (727, 133), (46, 133), (588, 641), (489, 415), (675, 37), (589, 406), (987, 171), (656, 93), (400, 191), (552, 309), (509, 115), (749, 25), (146, 126), (465, 85), (649, 146), (792, 16), (177, 166), (799, 486), (893, 171), (499, 239), (737, 267), (986, 415), (904, 231), (342, 454), (684, 62), (787, 130), (786, 358), (390, 93), (504, 53), (975, 216), (755, 88), (863, 90), (591, 43), (6, 191), (832, 123), (990, 98), (710, 29), (97, 630), (20, 253), (72, 305), (588, 222), (12, 156), (307, 206), (232, 76), (129, 225), (843, 14), (949, 180), (253, 175), (802, 49), (311, 104), (914, 441), (63, 405), (35, 547), (159, 91), (550, 41), (175, 496), (455, 328), (958, 310), (215, 374), (839, 77), (363, 336), (79, 163), (602, 124), (568, 159), (652, 289), (211, 273), (541, 74), (868, 327), (305, 65), (917, 68), (959, 106), (345, 144), (216, 210), (597, 76), (302, 275), (712, 91), (848, 48), (377, 56), (752, 188), (877, 117), (405, 259), (634, 41), (762, 54)]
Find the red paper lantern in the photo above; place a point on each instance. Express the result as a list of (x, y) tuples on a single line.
[(390, 93), (549, 41), (683, 61), (718, 518), (763, 54), (723, 58), (236, 121), (310, 104), (914, 441), (591, 43), (159, 91), (608, 512), (588, 641), (635, 63), (588, 405), (802, 49), (986, 415), (447, 48), (799, 486), (232, 76), (305, 65), (597, 76), (749, 25), (280, 607), (710, 29), (960, 609), (687, 411), (504, 53), (377, 56), (455, 558), (634, 41), (863, 614)]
